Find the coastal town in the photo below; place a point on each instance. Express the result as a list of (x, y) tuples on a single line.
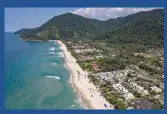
[(124, 85), (87, 58)]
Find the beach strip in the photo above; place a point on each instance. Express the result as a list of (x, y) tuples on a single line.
[(90, 96)]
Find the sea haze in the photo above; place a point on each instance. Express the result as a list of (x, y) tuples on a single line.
[(35, 76)]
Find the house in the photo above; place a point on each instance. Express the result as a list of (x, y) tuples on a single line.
[(143, 55), (142, 104), (128, 96), (139, 89), (98, 56), (130, 108), (160, 98), (86, 45), (133, 84), (161, 85), (155, 89), (77, 51), (117, 85), (145, 93), (95, 66), (113, 55), (69, 42), (123, 91), (85, 58)]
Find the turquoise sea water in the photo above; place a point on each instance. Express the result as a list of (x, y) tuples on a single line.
[(35, 76)]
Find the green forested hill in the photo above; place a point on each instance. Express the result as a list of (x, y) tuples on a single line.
[(143, 32), (67, 25), (145, 28), (155, 15), (142, 28)]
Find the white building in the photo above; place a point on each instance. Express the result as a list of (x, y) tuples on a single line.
[(128, 96), (123, 91), (139, 89), (156, 89), (130, 108), (145, 93)]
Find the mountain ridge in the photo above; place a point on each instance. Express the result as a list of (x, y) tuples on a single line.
[(72, 26)]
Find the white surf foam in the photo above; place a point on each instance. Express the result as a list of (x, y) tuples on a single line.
[(54, 77), (77, 100), (52, 52), (60, 54), (54, 64), (52, 48), (72, 106), (52, 40)]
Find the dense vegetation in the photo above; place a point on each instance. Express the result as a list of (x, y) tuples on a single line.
[(66, 26), (144, 28), (150, 69), (111, 64), (144, 32)]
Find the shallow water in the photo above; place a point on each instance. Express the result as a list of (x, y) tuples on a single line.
[(35, 76)]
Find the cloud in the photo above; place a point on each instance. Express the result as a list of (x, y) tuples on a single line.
[(107, 13)]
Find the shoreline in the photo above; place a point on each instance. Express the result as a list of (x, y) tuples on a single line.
[(89, 95), (84, 102)]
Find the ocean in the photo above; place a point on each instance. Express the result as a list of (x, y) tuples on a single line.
[(35, 76)]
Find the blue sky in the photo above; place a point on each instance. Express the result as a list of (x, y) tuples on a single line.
[(17, 18)]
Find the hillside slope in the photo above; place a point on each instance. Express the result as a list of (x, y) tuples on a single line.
[(145, 27), (63, 26)]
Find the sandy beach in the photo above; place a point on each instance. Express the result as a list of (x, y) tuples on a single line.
[(89, 94)]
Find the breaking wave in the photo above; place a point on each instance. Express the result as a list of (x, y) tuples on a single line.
[(54, 77), (60, 54), (77, 101), (52, 48), (52, 52), (52, 40), (72, 106), (54, 64)]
